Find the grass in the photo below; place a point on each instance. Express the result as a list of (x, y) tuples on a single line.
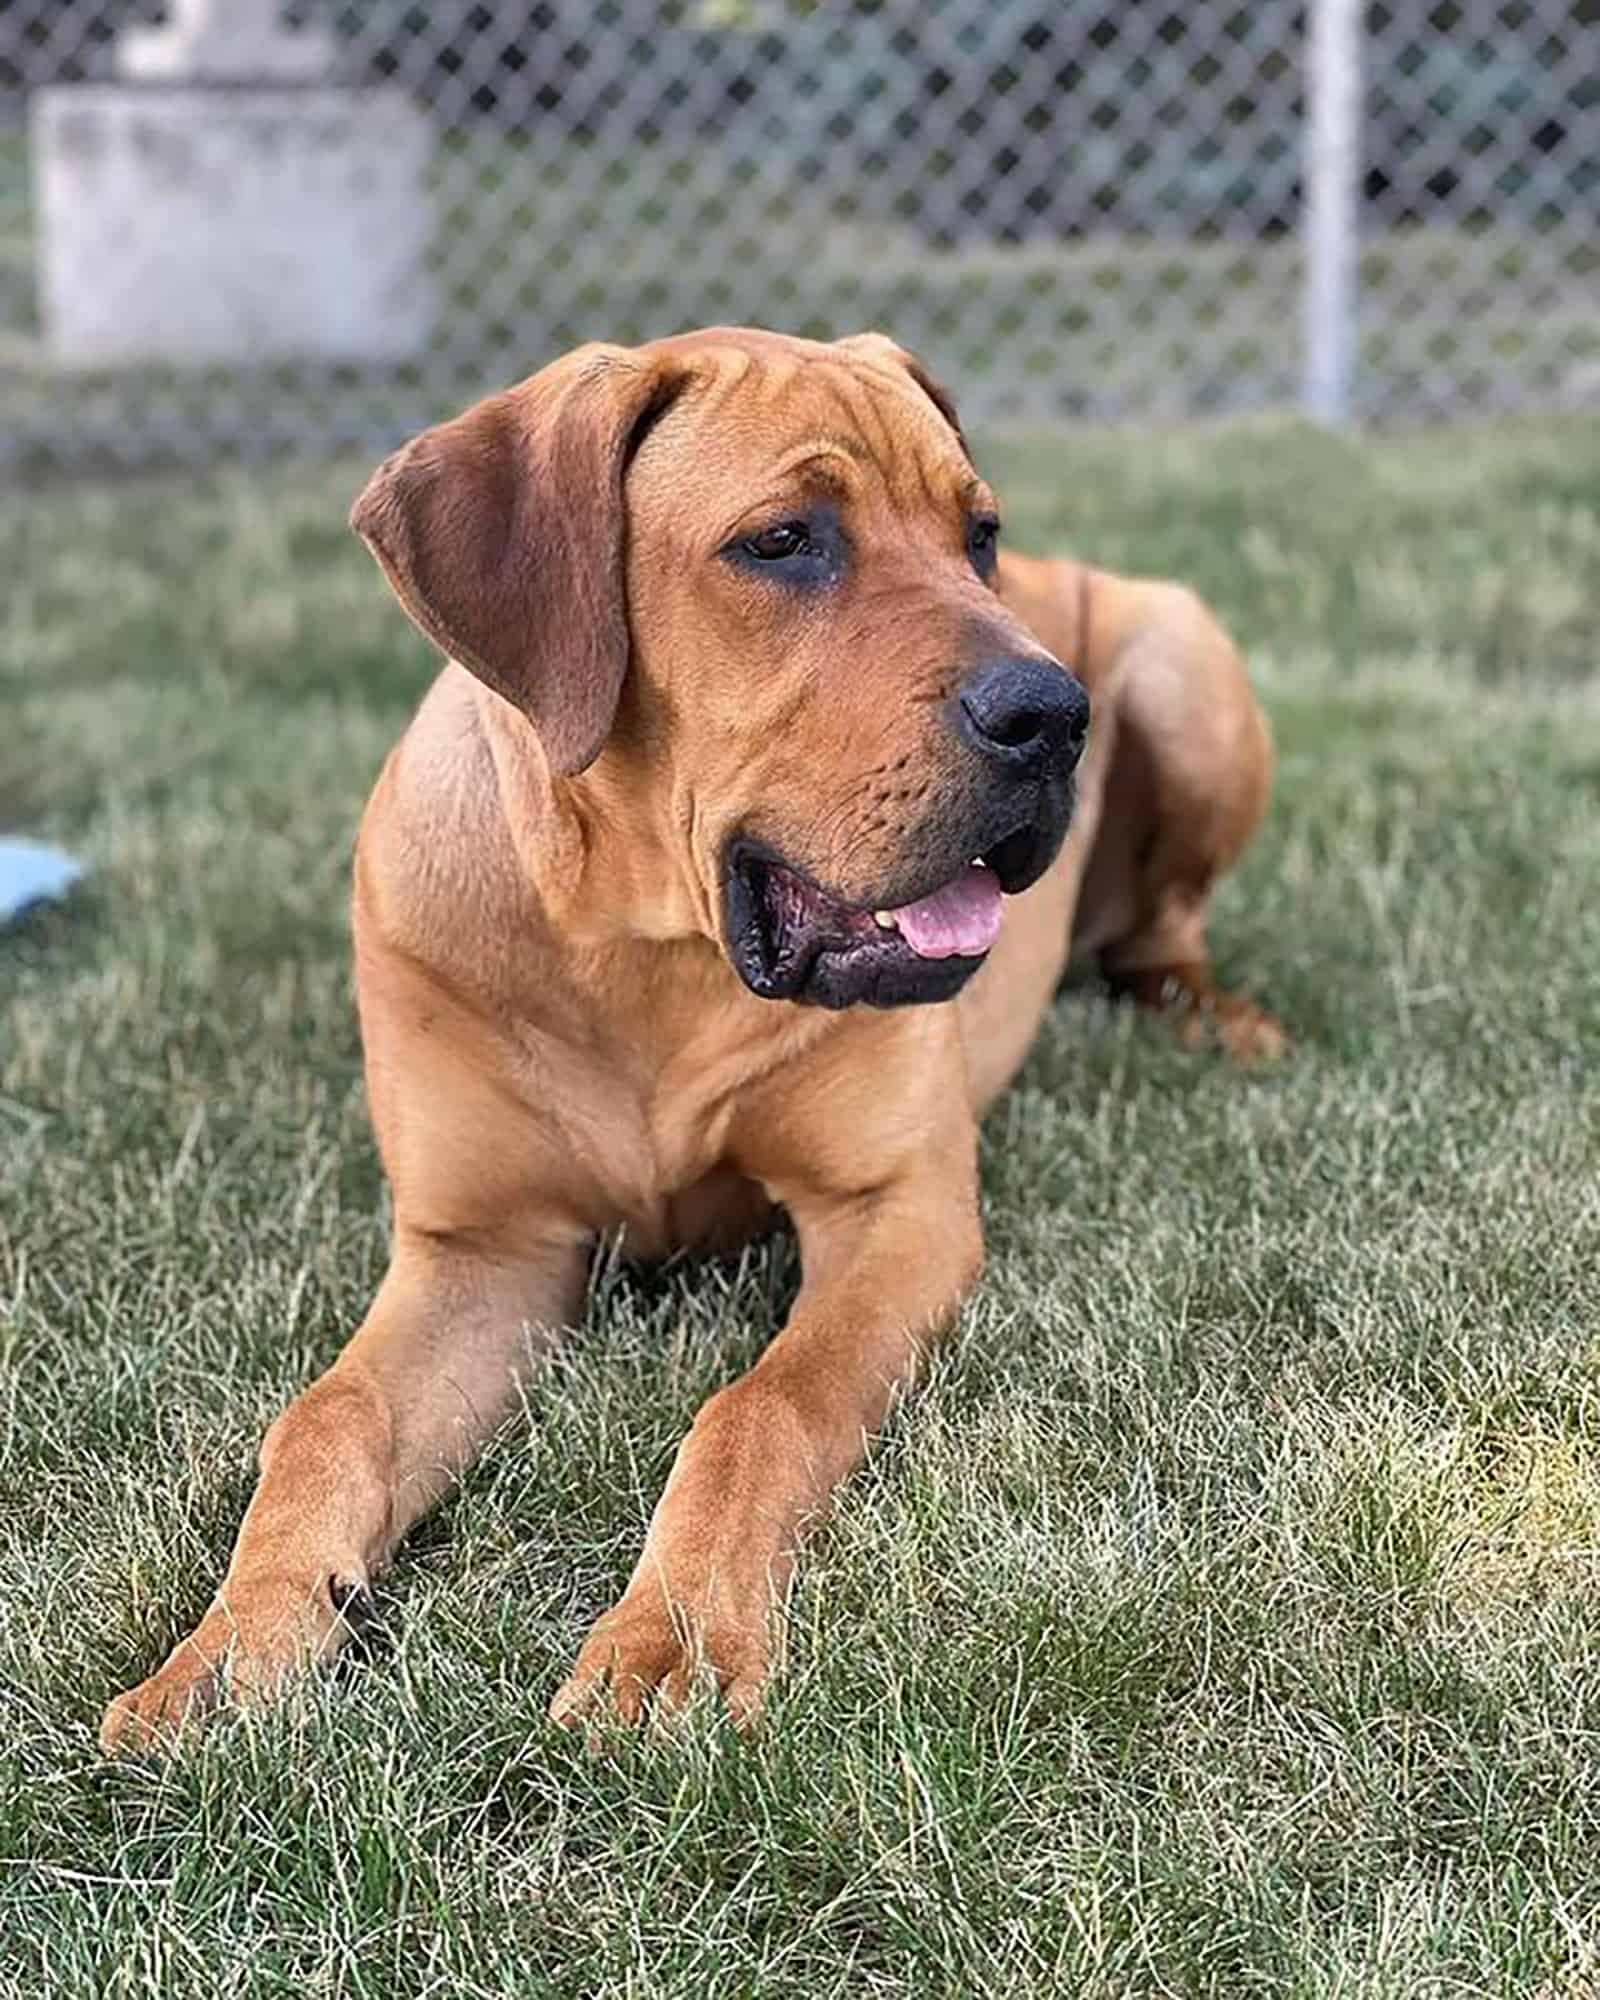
[(1225, 1618)]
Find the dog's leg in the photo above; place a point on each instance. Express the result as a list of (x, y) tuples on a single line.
[(1205, 1014), (1189, 781), (883, 1274), (354, 1461)]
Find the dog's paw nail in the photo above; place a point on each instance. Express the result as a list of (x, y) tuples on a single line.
[(351, 1598), (569, 1705)]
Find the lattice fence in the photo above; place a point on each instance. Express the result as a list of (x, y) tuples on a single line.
[(1079, 209)]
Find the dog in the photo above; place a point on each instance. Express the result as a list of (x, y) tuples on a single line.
[(728, 867)]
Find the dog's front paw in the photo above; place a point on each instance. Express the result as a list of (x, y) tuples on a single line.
[(251, 1641), (648, 1653), (150, 1716)]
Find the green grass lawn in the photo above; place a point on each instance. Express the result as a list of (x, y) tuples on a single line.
[(1224, 1619)]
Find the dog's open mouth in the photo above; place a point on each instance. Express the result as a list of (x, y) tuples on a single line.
[(792, 940)]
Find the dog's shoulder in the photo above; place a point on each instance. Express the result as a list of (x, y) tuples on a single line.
[(435, 857), (1045, 592), (1089, 617)]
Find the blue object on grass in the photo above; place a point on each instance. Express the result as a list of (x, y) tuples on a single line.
[(30, 872)]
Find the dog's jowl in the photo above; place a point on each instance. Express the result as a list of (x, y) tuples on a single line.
[(728, 866)]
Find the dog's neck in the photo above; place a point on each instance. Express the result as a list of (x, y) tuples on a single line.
[(601, 849)]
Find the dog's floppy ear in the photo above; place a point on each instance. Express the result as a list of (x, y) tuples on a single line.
[(502, 534), (880, 348)]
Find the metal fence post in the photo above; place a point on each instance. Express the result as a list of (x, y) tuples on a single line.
[(1332, 195)]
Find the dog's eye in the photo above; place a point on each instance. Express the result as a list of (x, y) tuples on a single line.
[(789, 538), (982, 536)]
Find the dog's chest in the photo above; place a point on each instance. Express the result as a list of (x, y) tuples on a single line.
[(654, 1133), (661, 1177)]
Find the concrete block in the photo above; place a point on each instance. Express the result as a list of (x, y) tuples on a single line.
[(187, 223)]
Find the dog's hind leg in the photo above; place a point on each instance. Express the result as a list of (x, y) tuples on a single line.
[(1189, 781)]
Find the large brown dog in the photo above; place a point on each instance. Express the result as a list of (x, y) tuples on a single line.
[(748, 725)]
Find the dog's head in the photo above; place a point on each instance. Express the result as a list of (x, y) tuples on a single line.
[(743, 584)]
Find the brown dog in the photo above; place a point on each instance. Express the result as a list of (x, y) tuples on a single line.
[(748, 726)]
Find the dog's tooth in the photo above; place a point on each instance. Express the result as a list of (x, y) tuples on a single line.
[(883, 920)]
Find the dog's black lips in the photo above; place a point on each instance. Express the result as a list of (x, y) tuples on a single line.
[(839, 957)]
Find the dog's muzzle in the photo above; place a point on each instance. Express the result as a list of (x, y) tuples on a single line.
[(791, 937), (1028, 718)]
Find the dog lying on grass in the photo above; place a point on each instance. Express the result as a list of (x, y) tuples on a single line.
[(728, 866)]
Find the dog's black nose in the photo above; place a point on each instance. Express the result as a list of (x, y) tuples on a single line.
[(1027, 714)]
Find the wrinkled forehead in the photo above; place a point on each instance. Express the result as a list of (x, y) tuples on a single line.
[(784, 416)]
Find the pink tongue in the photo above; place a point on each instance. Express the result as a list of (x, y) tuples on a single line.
[(961, 919)]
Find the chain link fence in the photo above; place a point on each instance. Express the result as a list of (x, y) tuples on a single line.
[(1072, 210)]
